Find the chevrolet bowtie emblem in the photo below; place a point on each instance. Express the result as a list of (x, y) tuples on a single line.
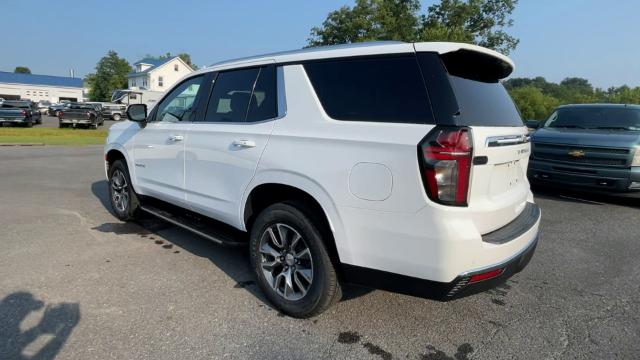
[(576, 153)]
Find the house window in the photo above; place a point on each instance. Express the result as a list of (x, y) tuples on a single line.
[(144, 82), (175, 67), (160, 83)]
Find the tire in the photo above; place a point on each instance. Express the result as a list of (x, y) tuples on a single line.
[(29, 124), (322, 286), (116, 117), (123, 199), (94, 126), (40, 121)]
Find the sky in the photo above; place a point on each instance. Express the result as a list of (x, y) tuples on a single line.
[(596, 40)]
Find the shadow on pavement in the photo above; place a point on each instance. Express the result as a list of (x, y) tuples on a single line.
[(42, 341), (232, 261)]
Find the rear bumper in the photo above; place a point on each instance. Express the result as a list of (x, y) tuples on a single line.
[(78, 122), (596, 179), (461, 286)]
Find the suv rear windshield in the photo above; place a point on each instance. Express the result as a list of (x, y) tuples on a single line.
[(484, 103), (412, 89), (612, 118)]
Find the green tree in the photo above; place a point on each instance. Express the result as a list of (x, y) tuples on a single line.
[(111, 74), (532, 103), (481, 22), (22, 70)]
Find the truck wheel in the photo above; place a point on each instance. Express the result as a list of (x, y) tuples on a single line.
[(291, 261), (116, 117), (124, 200)]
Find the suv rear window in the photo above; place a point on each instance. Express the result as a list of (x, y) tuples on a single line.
[(484, 103), (383, 89)]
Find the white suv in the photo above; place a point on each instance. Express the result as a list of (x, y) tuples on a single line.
[(394, 165)]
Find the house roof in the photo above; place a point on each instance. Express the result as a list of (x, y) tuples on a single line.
[(155, 63), (33, 79)]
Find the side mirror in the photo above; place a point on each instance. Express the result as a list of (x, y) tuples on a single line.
[(532, 124), (137, 112)]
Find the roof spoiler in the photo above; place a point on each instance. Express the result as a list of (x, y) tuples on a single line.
[(470, 61)]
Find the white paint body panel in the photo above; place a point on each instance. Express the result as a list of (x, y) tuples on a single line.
[(387, 223)]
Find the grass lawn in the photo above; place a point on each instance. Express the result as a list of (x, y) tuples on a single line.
[(10, 135)]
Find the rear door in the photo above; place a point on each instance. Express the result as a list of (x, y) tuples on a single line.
[(224, 146)]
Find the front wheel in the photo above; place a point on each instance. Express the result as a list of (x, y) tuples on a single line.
[(291, 262), (116, 117), (124, 200)]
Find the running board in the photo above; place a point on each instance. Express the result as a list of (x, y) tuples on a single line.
[(200, 226)]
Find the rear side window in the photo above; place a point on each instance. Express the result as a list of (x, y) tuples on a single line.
[(385, 89), (246, 95), (229, 100)]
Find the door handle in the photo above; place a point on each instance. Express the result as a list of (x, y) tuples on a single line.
[(176, 138), (244, 143)]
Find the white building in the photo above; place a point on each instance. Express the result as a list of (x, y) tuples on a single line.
[(39, 87), (157, 75)]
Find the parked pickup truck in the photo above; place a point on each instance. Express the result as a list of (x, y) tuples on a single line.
[(594, 147), (19, 112), (80, 114)]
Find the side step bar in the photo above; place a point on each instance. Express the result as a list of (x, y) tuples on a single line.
[(199, 226)]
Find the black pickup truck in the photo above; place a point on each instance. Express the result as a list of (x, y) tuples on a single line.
[(594, 147), (81, 114), (19, 112)]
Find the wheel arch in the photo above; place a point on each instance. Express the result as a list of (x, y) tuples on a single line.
[(318, 203)]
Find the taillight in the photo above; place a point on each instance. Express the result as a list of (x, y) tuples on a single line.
[(88, 115), (446, 154), (24, 112), (60, 114)]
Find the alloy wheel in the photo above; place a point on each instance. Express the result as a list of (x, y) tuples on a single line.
[(286, 261), (119, 191)]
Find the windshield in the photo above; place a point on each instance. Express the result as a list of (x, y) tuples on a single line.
[(16, 105), (595, 118)]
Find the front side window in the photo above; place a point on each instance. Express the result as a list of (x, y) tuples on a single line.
[(380, 89), (179, 103)]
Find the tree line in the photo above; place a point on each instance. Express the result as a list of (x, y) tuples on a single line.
[(536, 97)]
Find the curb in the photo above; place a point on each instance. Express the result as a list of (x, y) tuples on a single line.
[(22, 144)]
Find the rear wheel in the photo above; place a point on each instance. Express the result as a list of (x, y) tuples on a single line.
[(291, 261), (124, 200), (116, 117)]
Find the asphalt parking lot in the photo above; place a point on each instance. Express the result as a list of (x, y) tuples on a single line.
[(78, 284)]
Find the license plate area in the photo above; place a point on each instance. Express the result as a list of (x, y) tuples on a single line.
[(506, 177)]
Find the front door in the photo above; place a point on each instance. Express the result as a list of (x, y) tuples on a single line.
[(224, 146), (159, 146)]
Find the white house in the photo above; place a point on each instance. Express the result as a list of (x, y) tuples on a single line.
[(39, 87), (157, 75)]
